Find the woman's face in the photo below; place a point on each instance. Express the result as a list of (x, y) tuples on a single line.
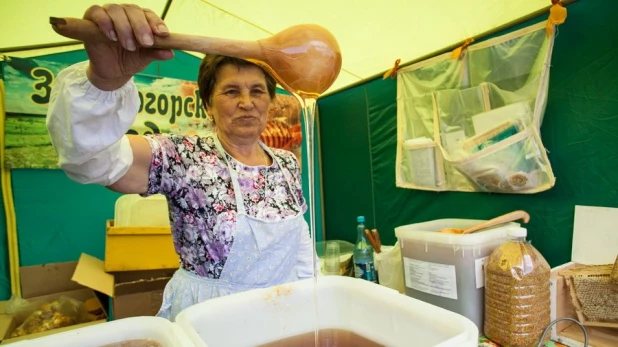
[(240, 101)]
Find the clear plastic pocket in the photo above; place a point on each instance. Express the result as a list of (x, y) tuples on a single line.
[(514, 164), (424, 167)]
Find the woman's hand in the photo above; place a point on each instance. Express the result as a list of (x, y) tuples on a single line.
[(113, 65)]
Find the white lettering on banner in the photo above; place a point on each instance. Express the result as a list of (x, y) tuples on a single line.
[(432, 278), (167, 105)]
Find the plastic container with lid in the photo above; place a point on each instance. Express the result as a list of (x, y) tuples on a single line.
[(351, 305), (133, 210), (517, 293), (142, 331), (446, 270)]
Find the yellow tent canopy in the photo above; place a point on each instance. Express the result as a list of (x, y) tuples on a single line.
[(372, 34)]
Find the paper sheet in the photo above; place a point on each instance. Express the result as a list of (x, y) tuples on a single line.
[(595, 235), (422, 162), (487, 120)]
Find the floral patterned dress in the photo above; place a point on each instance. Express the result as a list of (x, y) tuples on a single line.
[(194, 177)]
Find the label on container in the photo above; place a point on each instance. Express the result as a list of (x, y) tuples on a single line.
[(432, 278), (366, 271), (479, 270)]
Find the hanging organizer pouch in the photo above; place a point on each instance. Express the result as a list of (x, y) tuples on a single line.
[(472, 124), (514, 164)]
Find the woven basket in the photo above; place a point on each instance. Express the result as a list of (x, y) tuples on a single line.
[(592, 293)]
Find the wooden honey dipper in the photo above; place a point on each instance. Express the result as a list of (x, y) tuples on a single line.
[(305, 59), (503, 219)]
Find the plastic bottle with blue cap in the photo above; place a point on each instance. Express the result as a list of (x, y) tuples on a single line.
[(364, 266)]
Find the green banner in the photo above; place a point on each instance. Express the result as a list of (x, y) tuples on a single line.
[(167, 106)]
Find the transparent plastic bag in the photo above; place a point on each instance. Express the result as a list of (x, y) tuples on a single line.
[(39, 316), (516, 163), (517, 294), (390, 267), (21, 308)]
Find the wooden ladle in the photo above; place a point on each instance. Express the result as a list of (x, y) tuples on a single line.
[(505, 218), (304, 59)]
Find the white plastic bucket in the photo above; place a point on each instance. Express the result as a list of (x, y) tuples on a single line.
[(375, 312), (156, 329), (133, 210), (447, 270)]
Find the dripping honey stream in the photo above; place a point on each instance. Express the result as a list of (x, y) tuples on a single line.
[(305, 60)]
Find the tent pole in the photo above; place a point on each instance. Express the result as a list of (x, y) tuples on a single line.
[(168, 3), (42, 46), (9, 206)]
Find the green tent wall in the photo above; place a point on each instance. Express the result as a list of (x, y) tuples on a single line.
[(358, 131)]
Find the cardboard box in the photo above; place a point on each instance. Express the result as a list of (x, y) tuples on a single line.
[(139, 248), (46, 283), (7, 322), (133, 293), (7, 325)]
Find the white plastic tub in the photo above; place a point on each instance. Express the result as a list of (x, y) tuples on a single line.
[(447, 270), (154, 328), (375, 312), (133, 210)]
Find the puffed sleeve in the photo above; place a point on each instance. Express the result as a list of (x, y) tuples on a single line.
[(87, 126)]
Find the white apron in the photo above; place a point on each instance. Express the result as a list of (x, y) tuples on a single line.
[(263, 254)]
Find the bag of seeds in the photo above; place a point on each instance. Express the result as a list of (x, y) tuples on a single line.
[(517, 297)]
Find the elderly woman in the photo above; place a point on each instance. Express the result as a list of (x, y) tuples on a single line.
[(236, 206)]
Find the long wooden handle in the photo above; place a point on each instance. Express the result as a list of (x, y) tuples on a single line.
[(87, 31), (372, 241), (376, 237), (505, 218)]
